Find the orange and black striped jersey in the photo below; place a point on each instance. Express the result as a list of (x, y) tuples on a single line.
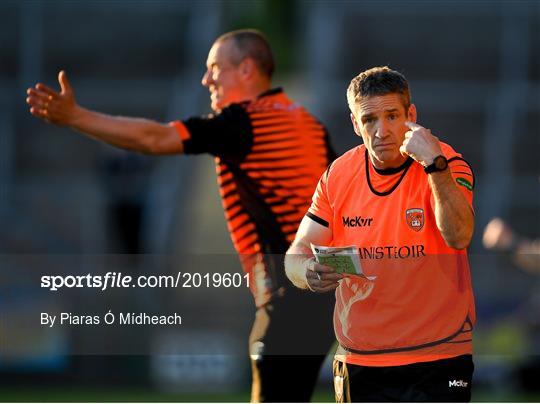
[(269, 153), (420, 307)]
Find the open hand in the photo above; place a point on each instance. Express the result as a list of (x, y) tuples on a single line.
[(52, 106)]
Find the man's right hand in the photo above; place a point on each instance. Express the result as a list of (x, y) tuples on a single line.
[(52, 106), (321, 278), (55, 107)]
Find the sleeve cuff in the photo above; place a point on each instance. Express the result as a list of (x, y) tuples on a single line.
[(181, 129), (317, 219)]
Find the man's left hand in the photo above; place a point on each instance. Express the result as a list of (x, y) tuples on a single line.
[(420, 144)]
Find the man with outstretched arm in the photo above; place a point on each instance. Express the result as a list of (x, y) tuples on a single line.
[(269, 154), (404, 200)]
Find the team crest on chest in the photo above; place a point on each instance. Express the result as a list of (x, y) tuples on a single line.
[(415, 218)]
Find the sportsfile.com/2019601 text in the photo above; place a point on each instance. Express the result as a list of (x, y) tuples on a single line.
[(112, 280)]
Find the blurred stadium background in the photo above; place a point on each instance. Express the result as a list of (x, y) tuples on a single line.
[(474, 68)]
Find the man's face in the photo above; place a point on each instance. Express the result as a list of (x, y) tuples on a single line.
[(222, 78), (380, 121)]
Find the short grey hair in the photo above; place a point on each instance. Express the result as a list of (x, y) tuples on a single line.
[(378, 81)]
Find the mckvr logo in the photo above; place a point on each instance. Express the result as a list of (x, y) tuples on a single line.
[(457, 383), (356, 221)]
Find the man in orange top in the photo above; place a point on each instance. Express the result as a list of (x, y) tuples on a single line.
[(404, 199), (269, 155)]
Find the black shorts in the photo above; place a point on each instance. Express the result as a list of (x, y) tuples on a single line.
[(288, 343), (446, 380)]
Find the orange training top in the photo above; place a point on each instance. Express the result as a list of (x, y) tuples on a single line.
[(270, 153), (421, 306)]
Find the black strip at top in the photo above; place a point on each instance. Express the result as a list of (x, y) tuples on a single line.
[(228, 135), (271, 91), (317, 219), (405, 167)]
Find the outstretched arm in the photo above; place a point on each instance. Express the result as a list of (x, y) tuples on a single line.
[(300, 265), (137, 134)]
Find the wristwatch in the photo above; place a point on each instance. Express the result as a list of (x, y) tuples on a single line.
[(440, 163)]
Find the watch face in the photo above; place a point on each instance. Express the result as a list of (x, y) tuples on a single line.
[(441, 163)]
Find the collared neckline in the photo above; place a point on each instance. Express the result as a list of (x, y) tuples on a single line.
[(271, 91), (394, 170)]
